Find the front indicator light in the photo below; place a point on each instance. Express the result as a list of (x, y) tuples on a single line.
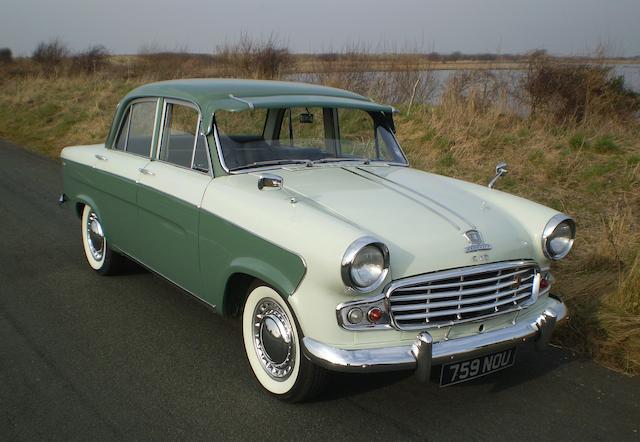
[(374, 315), (355, 316), (363, 315), (544, 284)]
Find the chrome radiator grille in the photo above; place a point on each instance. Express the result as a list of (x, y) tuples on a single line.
[(464, 294)]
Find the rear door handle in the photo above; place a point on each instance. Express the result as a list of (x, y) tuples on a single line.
[(101, 157), (144, 171)]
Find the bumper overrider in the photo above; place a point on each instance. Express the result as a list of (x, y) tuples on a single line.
[(424, 353)]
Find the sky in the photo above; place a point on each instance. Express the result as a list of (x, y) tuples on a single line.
[(567, 27)]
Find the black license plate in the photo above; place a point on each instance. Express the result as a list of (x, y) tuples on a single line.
[(462, 371)]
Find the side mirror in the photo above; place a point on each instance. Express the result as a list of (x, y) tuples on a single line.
[(269, 180), (501, 170)]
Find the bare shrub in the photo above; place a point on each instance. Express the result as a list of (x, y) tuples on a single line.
[(479, 89), (409, 82), (352, 68), (267, 58), (50, 53), (6, 56), (573, 92), (91, 60)]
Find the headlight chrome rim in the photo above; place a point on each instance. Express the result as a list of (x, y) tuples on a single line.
[(550, 228), (350, 256)]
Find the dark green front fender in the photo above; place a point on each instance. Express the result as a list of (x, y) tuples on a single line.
[(227, 249)]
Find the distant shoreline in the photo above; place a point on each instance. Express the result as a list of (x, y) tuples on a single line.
[(320, 63)]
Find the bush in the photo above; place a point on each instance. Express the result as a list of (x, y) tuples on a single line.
[(91, 60), (268, 58), (480, 89), (5, 56), (51, 53), (570, 91)]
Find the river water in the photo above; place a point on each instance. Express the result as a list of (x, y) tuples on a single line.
[(439, 77)]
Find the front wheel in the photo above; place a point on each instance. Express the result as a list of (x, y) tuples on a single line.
[(99, 255), (272, 344)]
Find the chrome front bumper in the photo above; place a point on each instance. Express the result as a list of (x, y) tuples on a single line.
[(424, 353)]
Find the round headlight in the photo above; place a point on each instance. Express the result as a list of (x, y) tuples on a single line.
[(365, 264), (558, 236)]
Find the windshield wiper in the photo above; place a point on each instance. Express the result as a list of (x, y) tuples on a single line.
[(270, 163), (336, 160)]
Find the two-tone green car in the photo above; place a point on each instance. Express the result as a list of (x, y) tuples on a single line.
[(293, 207)]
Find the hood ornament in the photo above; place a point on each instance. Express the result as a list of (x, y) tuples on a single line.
[(475, 242)]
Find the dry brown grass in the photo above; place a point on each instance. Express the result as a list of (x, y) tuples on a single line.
[(620, 319)]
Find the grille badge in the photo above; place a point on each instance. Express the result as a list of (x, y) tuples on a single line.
[(517, 281), (475, 242)]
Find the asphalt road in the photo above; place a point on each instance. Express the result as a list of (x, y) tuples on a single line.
[(132, 357)]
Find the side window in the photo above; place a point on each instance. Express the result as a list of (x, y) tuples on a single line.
[(142, 116), (179, 136), (121, 140)]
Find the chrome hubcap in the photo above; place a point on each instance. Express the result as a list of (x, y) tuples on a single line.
[(95, 236), (273, 339)]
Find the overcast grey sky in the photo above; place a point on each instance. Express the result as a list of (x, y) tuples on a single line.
[(123, 26)]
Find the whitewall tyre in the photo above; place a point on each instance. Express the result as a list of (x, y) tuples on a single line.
[(272, 344), (96, 249)]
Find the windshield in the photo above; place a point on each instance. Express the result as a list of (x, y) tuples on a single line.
[(263, 137)]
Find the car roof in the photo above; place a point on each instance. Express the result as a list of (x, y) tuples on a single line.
[(213, 94), (235, 95)]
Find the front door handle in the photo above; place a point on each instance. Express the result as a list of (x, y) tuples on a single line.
[(101, 157), (144, 171)]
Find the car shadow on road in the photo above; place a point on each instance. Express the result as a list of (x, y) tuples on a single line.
[(530, 365)]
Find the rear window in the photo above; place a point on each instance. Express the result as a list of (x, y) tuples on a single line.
[(136, 132)]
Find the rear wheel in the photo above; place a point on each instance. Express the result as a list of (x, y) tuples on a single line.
[(99, 255), (272, 344)]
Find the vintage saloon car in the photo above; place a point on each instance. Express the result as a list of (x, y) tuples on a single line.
[(293, 207)]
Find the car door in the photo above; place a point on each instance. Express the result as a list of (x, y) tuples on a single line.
[(170, 191), (119, 171)]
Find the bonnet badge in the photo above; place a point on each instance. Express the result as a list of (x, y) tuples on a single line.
[(475, 242)]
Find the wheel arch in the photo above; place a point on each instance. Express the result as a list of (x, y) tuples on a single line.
[(236, 290), (84, 200), (244, 275)]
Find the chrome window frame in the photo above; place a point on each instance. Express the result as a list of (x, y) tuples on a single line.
[(129, 111), (199, 133), (216, 138)]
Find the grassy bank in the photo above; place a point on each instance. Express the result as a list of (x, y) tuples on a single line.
[(587, 167)]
